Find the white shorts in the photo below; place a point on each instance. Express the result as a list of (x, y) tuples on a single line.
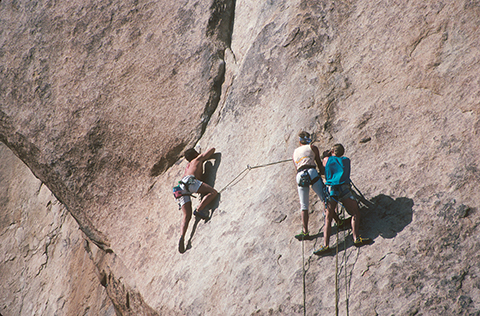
[(192, 186)]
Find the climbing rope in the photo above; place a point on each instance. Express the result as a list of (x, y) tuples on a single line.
[(359, 195), (336, 273), (248, 168), (337, 287), (304, 287), (345, 260)]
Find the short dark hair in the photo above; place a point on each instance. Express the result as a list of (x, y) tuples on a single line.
[(338, 150), (191, 154)]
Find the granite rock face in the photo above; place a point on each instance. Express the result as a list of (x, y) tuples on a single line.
[(44, 267), (100, 100)]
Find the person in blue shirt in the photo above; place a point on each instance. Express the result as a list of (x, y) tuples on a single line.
[(337, 182)]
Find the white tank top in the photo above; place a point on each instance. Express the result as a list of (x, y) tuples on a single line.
[(304, 156)]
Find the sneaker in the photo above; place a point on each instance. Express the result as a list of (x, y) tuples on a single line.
[(322, 250), (181, 245), (302, 235), (201, 215), (360, 241)]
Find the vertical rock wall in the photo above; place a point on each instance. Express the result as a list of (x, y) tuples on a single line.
[(44, 267), (100, 100)]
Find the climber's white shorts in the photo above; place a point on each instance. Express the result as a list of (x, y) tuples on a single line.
[(192, 186)]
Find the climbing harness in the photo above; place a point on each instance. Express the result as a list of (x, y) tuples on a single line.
[(306, 180), (182, 188), (178, 192)]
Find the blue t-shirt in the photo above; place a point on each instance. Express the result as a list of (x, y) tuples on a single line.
[(337, 171)]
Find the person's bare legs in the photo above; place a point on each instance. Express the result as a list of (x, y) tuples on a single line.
[(329, 215), (209, 195), (352, 208), (187, 215), (305, 220)]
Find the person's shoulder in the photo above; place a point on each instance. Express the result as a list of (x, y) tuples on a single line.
[(344, 160)]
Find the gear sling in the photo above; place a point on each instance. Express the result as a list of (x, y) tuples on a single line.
[(305, 179)]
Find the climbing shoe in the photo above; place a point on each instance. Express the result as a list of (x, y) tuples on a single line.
[(360, 241), (302, 236), (181, 245), (322, 250), (200, 214)]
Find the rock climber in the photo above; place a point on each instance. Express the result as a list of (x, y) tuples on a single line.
[(337, 181), (306, 158), (192, 183)]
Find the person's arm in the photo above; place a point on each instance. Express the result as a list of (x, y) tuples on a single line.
[(206, 155), (317, 159), (324, 161)]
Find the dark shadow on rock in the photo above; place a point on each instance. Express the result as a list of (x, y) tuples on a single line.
[(167, 160), (381, 216), (209, 177), (342, 245), (210, 170), (386, 217), (194, 228)]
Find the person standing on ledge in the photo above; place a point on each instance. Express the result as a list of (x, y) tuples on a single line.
[(337, 180), (191, 183), (306, 158)]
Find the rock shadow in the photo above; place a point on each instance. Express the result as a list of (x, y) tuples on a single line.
[(380, 216), (386, 217), (209, 177)]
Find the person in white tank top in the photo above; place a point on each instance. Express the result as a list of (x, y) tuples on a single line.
[(306, 158)]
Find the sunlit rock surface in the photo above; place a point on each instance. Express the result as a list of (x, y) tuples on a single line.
[(100, 100)]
